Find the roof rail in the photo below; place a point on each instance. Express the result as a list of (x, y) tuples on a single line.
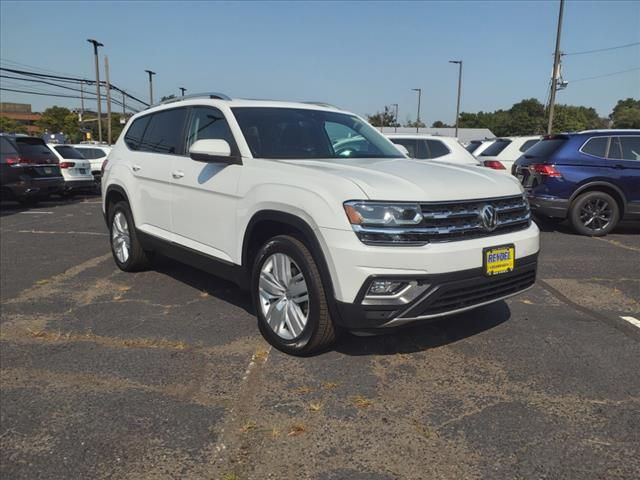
[(210, 95), (322, 104)]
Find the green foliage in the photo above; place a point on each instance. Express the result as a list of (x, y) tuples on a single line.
[(387, 118), (528, 117), (439, 124), (8, 125), (626, 114), (167, 97), (414, 124), (54, 119)]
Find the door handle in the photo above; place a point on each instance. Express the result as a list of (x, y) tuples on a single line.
[(136, 168), (619, 167), (177, 174)]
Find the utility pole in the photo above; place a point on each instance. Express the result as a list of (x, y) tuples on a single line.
[(182, 90), (419, 90), (106, 77), (395, 123), (82, 107), (151, 74), (554, 75), (124, 100), (97, 44), (459, 62)]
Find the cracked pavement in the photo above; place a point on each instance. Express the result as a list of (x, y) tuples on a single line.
[(163, 374)]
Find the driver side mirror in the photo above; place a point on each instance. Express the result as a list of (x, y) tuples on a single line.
[(213, 151), (402, 149)]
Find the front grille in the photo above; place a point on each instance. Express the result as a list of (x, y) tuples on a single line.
[(445, 222), (458, 295)]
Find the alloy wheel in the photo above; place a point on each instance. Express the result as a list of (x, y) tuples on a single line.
[(284, 296), (120, 239), (596, 214)]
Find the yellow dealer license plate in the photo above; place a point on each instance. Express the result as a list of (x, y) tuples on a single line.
[(497, 260)]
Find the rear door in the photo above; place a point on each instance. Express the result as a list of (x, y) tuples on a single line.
[(155, 141), (624, 158), (205, 194)]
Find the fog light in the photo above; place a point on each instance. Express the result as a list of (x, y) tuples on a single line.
[(385, 287)]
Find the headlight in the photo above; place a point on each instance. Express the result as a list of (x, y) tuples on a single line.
[(386, 223), (383, 214)]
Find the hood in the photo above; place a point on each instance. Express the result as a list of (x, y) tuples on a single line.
[(411, 180)]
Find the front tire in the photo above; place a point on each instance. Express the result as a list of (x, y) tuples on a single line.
[(125, 245), (290, 298), (594, 214)]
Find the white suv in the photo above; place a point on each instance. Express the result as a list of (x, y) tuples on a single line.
[(436, 148), (324, 237)]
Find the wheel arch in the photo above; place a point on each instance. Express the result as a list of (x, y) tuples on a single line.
[(114, 194), (602, 186), (266, 224)]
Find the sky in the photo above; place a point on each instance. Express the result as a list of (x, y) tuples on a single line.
[(359, 56)]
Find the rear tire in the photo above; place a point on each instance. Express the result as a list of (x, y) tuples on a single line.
[(125, 245), (594, 214), (284, 275)]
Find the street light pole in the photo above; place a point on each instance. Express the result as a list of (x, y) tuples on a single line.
[(182, 90), (97, 44), (459, 62), (106, 77), (419, 90), (151, 74), (554, 75), (395, 123)]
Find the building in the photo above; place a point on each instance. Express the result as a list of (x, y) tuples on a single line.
[(21, 113), (465, 135)]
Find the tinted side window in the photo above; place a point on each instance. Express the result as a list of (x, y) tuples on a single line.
[(615, 149), (407, 143), (473, 146), (69, 153), (208, 123), (438, 149), (630, 148), (423, 150), (6, 148), (133, 138), (495, 148), (164, 132), (596, 146), (528, 144)]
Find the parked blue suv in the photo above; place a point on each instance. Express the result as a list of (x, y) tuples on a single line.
[(591, 177)]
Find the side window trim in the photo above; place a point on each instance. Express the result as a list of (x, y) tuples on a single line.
[(606, 150), (235, 151)]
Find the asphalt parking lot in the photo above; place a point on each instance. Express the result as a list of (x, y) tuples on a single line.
[(163, 374)]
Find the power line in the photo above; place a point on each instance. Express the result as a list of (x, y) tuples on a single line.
[(605, 75), (51, 94), (73, 79), (602, 49)]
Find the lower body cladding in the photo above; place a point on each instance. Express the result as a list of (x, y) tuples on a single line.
[(432, 296), (549, 206)]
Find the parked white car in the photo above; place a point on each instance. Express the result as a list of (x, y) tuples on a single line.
[(432, 147), (275, 197), (504, 151), (76, 170), (96, 154), (476, 147)]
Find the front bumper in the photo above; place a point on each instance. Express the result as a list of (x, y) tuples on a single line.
[(548, 206), (446, 294)]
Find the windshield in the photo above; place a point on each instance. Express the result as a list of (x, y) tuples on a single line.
[(69, 153), (294, 133)]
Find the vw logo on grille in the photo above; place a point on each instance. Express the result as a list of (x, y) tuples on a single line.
[(489, 218)]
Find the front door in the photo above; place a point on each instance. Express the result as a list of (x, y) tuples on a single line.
[(205, 194)]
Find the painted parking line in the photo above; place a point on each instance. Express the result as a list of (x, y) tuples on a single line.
[(632, 320), (33, 212)]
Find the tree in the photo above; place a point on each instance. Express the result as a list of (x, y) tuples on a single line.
[(8, 125), (439, 124), (626, 114), (167, 97), (414, 124), (383, 119), (54, 119), (527, 117), (570, 118)]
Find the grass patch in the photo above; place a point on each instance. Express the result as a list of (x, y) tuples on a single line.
[(361, 402), (315, 407), (248, 427), (296, 429)]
